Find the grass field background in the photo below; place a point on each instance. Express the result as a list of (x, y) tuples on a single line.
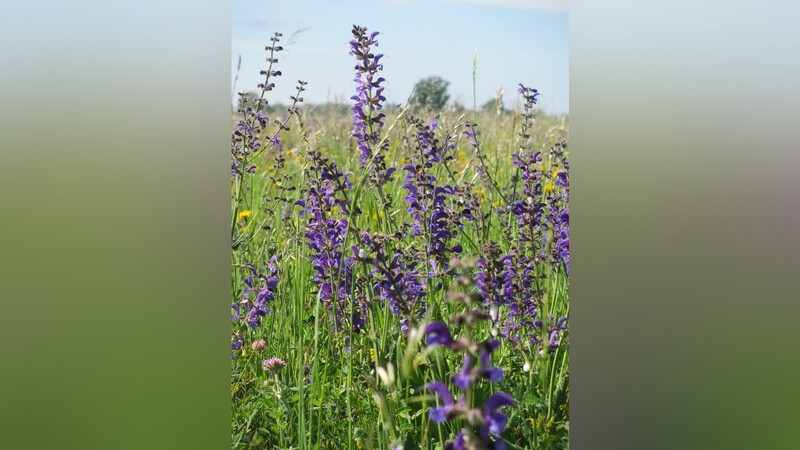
[(353, 364)]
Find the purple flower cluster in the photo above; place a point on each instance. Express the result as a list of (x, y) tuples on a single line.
[(246, 140), (368, 100), (558, 210), (325, 235), (236, 343), (555, 332), (495, 278), (490, 420), (476, 366), (397, 279), (528, 209), (434, 208), (442, 219), (472, 132), (419, 184), (326, 207), (431, 213), (529, 94), (428, 148), (543, 208), (254, 309), (530, 97), (259, 290)]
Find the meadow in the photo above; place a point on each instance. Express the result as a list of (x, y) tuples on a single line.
[(399, 274)]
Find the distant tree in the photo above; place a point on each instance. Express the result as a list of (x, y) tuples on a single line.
[(494, 105), (490, 105), (456, 107), (430, 93)]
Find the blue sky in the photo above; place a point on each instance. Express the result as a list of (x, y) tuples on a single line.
[(516, 40)]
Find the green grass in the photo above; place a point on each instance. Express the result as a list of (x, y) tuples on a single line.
[(326, 397)]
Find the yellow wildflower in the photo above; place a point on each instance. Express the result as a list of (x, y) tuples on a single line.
[(372, 355), (244, 215), (549, 187)]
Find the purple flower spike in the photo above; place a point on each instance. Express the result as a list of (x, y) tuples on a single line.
[(368, 100)]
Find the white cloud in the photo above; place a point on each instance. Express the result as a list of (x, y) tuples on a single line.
[(538, 5)]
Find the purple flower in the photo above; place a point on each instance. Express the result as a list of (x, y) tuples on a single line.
[(529, 94), (463, 379), (253, 310), (237, 342), (472, 133), (396, 279), (440, 414), (493, 374), (433, 123), (437, 333), (494, 421), (491, 421), (558, 213), (326, 207), (368, 100), (495, 278), (237, 312), (459, 444)]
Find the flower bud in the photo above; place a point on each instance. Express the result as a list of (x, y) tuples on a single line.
[(259, 345)]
